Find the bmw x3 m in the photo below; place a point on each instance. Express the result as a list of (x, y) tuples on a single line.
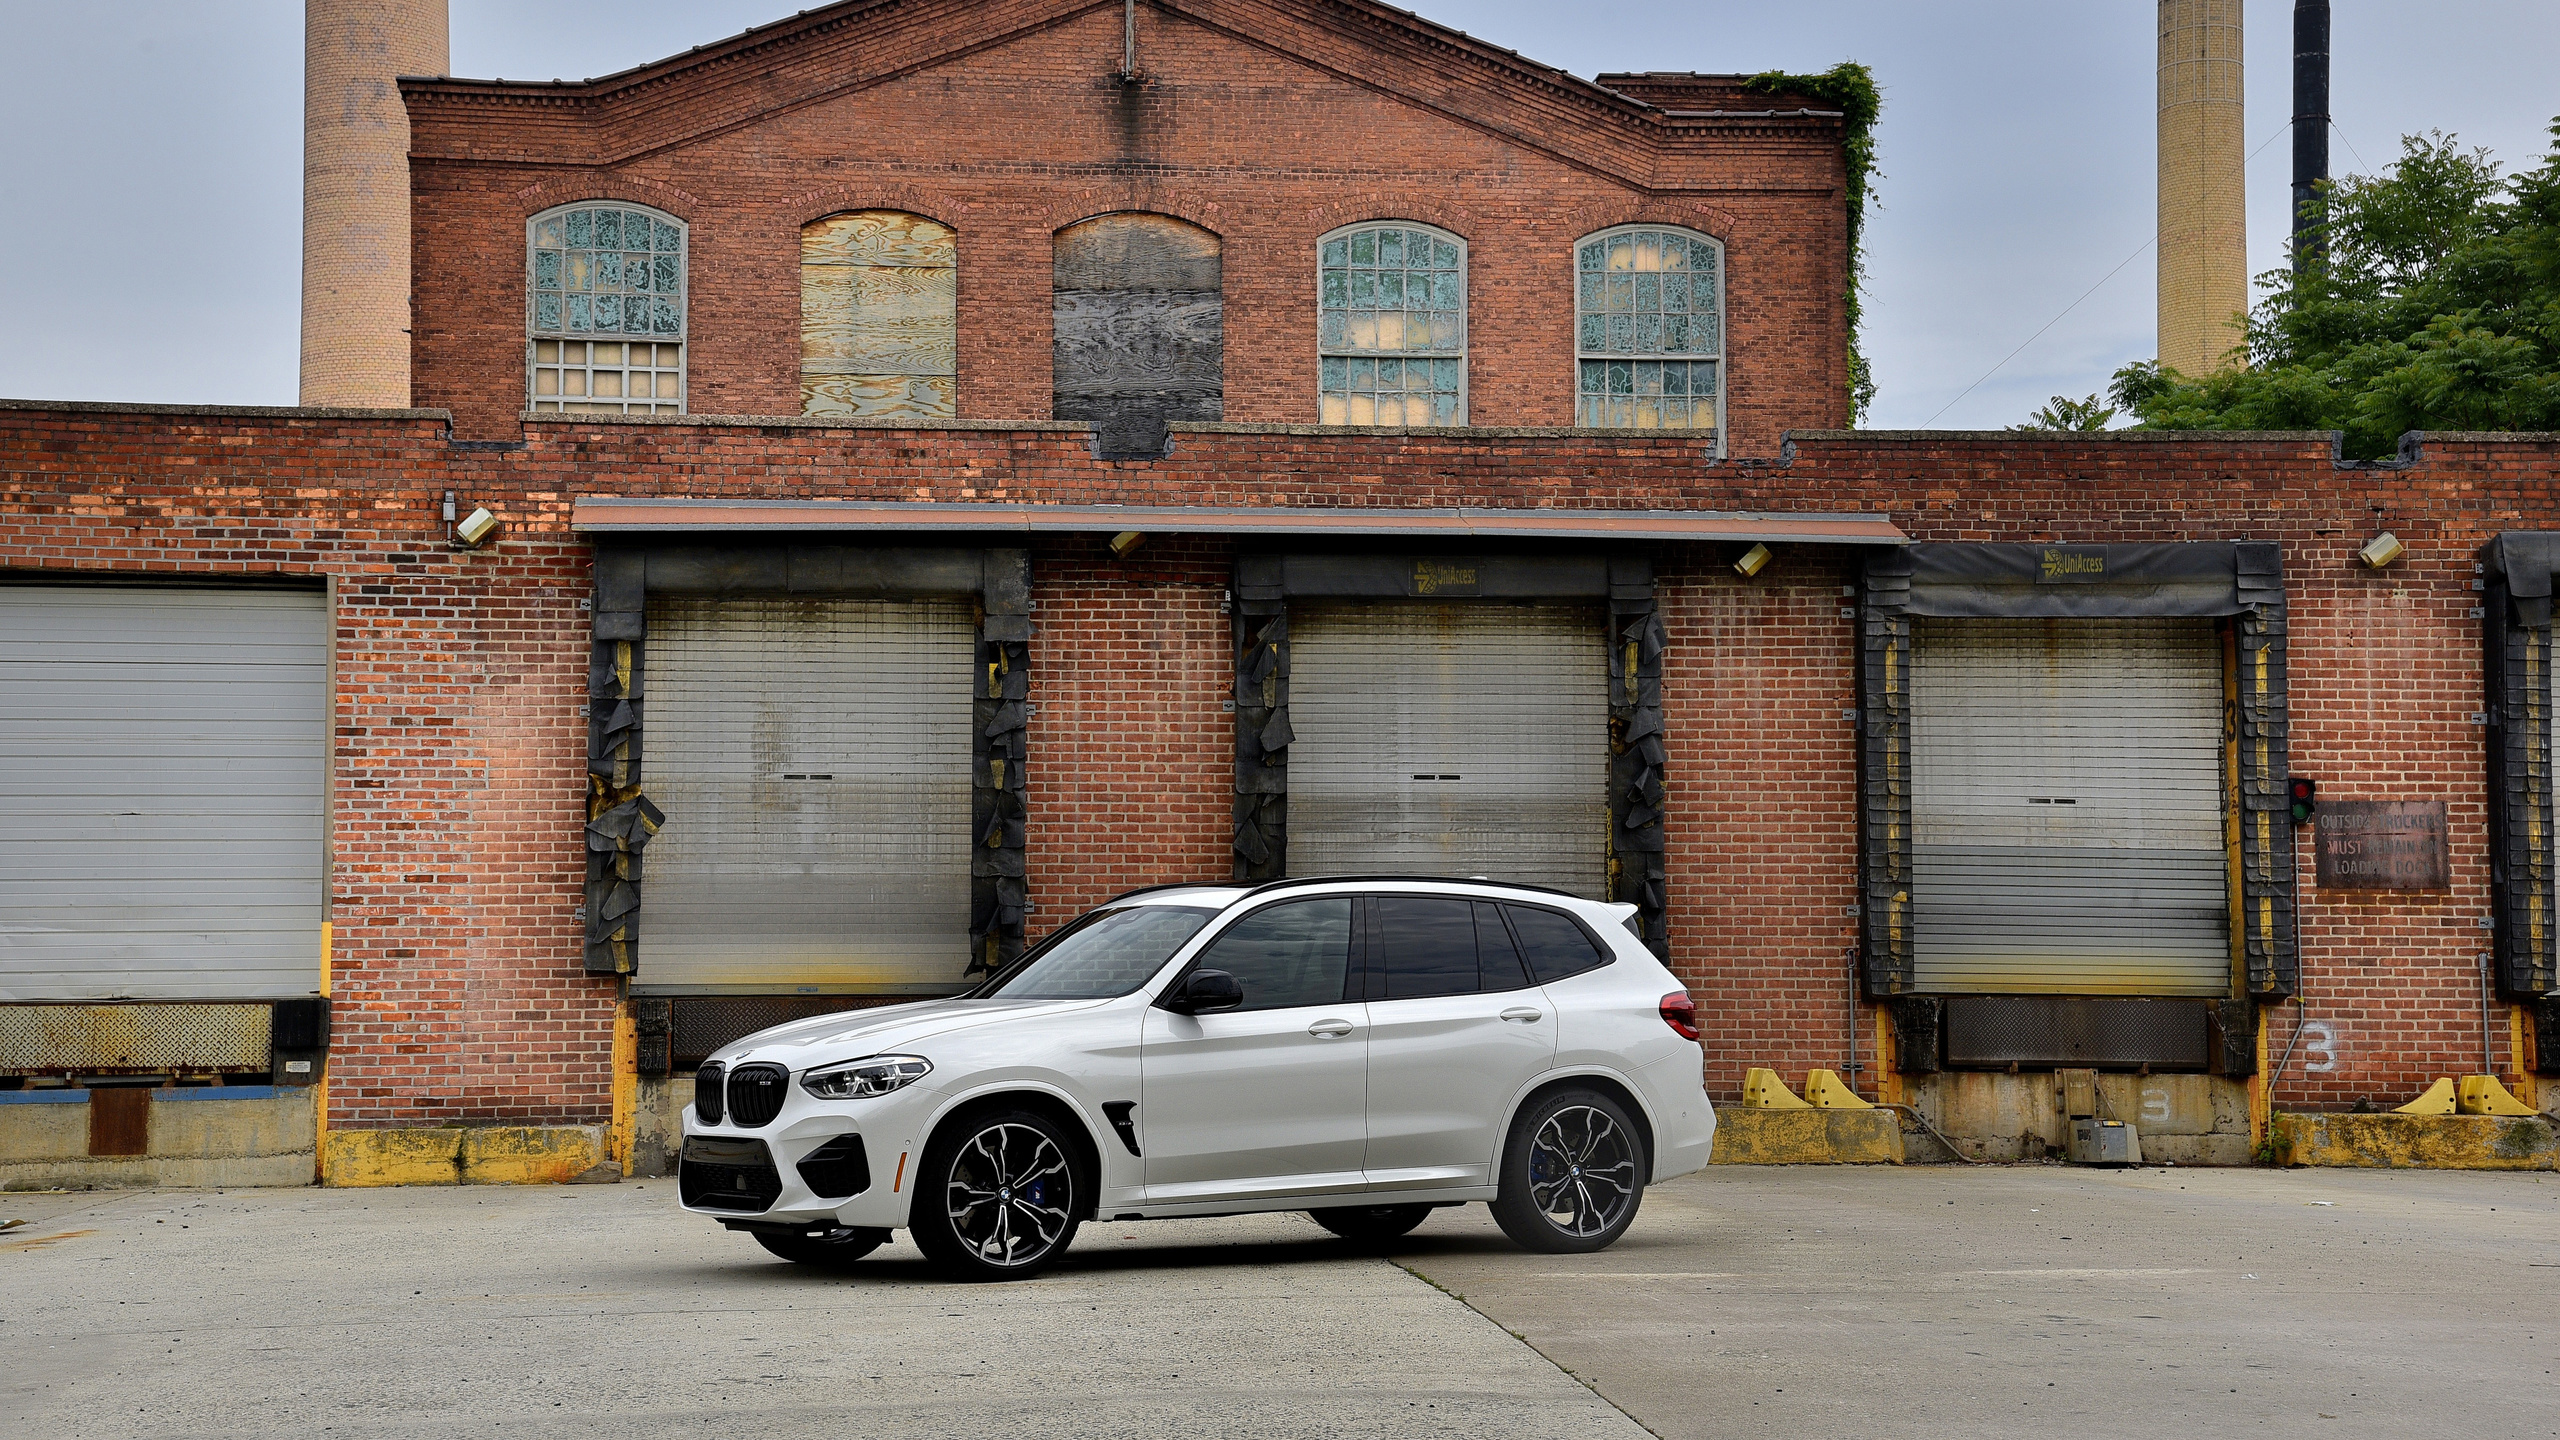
[(1365, 1049)]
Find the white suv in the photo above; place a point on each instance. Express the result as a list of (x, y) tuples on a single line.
[(1361, 1048)]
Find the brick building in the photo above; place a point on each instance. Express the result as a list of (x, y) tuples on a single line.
[(951, 464)]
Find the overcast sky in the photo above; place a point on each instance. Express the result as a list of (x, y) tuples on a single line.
[(150, 162)]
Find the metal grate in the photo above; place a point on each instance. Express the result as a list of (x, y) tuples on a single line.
[(720, 1174), (106, 1038), (837, 1169), (704, 1023), (2042, 1032), (755, 1094)]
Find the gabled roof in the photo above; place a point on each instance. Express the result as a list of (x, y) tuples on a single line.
[(856, 43)]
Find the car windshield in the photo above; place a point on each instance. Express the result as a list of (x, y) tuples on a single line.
[(1103, 954)]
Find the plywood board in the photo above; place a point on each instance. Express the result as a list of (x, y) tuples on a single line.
[(878, 397), (1163, 345), (1135, 252), (877, 237), (877, 321)]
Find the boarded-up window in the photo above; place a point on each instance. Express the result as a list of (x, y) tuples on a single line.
[(878, 317), (1139, 329)]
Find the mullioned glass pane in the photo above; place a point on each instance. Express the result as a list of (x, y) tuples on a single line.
[(608, 270), (1391, 248), (666, 319), (608, 230), (608, 313), (546, 269), (669, 239), (547, 232), (582, 229), (1364, 248), (578, 315), (546, 312)]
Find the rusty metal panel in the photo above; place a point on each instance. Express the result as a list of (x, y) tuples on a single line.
[(120, 1120), (102, 1039), (1137, 328), (2043, 1032), (878, 317)]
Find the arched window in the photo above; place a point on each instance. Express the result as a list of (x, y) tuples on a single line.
[(605, 323), (1391, 336), (1137, 328), (879, 307), (1648, 329)]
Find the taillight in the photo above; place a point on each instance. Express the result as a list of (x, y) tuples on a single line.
[(1680, 1013)]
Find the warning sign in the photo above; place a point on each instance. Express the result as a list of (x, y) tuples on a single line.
[(2381, 844)]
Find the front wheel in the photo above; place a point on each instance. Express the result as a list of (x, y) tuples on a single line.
[(996, 1197), (833, 1249), (1572, 1174), (1370, 1224)]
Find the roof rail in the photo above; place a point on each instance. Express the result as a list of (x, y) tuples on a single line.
[(1270, 885), (1173, 885)]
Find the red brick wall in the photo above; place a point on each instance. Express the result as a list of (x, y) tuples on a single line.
[(1264, 125), (460, 751)]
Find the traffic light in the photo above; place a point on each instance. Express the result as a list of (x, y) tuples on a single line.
[(2306, 798)]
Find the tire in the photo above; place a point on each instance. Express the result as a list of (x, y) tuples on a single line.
[(836, 1250), (997, 1197), (1572, 1174), (1370, 1224)]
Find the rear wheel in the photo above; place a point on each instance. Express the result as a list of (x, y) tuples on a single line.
[(833, 1249), (1572, 1174), (1370, 1224), (996, 1197)]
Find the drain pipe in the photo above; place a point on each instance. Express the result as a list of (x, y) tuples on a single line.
[(2485, 1067), (1853, 1022)]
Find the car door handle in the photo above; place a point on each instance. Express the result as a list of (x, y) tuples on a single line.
[(1523, 1014), (1330, 1029)]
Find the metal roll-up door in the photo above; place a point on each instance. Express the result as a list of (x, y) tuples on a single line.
[(1461, 739), (2067, 807), (163, 788), (812, 758)]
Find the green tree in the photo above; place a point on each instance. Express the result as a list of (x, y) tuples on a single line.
[(2064, 413), (2435, 307)]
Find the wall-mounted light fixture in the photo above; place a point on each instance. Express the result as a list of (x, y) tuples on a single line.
[(2381, 550), (1126, 541), (1752, 561), (474, 530)]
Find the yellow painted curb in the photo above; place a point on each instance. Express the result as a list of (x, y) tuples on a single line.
[(1807, 1136), (490, 1155), (2417, 1142)]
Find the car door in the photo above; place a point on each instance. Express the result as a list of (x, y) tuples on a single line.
[(1456, 1027), (1269, 1098)]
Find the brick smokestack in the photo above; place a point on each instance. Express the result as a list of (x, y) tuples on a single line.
[(355, 193), (2204, 226)]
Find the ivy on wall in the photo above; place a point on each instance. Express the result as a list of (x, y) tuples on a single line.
[(1850, 88)]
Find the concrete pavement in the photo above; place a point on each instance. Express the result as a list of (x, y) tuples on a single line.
[(2050, 1301), (1923, 1301), (604, 1310)]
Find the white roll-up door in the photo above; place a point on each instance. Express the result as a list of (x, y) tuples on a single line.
[(812, 758), (2067, 807), (163, 786), (1450, 739)]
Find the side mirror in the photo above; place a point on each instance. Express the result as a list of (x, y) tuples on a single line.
[(1205, 991)]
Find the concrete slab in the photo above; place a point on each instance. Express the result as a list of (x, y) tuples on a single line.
[(2037, 1301), (1748, 1135), (606, 1311)]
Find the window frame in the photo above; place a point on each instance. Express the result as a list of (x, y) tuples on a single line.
[(1466, 317), (1369, 947), (535, 335), (1573, 387)]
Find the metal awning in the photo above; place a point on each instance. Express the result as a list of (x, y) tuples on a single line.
[(616, 515)]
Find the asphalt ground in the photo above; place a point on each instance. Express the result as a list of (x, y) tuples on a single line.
[(1922, 1301)]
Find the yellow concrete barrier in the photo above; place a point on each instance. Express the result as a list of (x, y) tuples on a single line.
[(2416, 1142), (1759, 1135), (485, 1155)]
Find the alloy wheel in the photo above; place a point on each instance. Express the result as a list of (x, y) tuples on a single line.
[(1008, 1196), (1582, 1171)]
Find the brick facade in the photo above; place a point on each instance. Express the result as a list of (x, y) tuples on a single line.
[(1267, 123), (460, 750)]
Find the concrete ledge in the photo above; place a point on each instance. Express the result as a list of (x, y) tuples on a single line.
[(133, 1172), (2417, 1142), (1806, 1137), (200, 1135), (487, 1155)]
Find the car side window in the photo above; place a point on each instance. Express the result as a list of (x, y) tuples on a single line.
[(1425, 947), (1554, 946), (1498, 957), (1297, 953)]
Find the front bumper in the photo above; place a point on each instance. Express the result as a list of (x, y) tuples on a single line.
[(818, 1162)]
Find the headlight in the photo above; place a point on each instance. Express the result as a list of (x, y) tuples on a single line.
[(862, 1079)]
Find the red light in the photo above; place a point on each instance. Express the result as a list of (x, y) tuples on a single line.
[(1680, 1013)]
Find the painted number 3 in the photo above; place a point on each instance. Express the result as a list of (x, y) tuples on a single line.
[(2319, 1047)]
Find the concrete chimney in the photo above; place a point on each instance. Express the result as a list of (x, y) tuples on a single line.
[(355, 193), (2204, 226)]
